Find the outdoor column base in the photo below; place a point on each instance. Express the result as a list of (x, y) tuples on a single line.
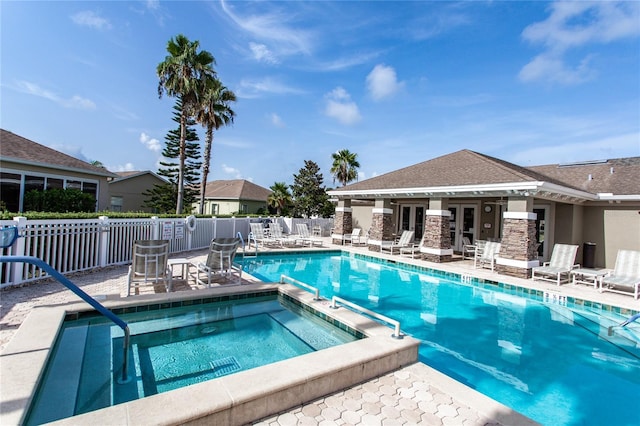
[(513, 271), (373, 247), (437, 258)]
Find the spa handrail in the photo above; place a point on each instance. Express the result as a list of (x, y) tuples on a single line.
[(84, 296), (396, 333), (314, 290)]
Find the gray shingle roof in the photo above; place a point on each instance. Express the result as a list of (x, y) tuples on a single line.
[(239, 189), (22, 150)]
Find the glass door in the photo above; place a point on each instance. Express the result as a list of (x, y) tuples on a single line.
[(412, 219), (462, 223)]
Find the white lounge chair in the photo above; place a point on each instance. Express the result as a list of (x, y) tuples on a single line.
[(356, 237), (259, 235), (559, 267), (219, 263), (468, 249), (305, 237), (625, 276), (405, 241), (276, 233), (149, 265), (486, 253)]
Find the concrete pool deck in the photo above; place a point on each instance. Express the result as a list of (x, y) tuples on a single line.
[(413, 394)]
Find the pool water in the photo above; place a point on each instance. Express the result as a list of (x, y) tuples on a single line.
[(552, 361), (173, 348)]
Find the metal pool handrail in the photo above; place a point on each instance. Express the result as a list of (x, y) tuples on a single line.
[(84, 296), (314, 290), (396, 332)]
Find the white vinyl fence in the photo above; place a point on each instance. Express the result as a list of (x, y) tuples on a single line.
[(83, 244)]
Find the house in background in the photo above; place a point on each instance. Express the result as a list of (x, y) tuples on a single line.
[(237, 196), (529, 209), (26, 165), (127, 190)]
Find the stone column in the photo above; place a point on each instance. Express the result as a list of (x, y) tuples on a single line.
[(343, 221), (518, 248), (436, 240), (381, 232)]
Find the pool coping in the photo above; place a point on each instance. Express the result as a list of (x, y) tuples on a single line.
[(225, 400)]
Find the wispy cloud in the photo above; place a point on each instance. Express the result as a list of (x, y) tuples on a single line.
[(275, 29), (150, 143), (256, 88), (340, 106), (73, 102), (127, 167), (382, 82), (72, 150), (91, 19), (261, 53), (234, 173), (576, 24), (276, 120)]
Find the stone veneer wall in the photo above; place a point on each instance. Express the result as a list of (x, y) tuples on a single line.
[(437, 235), (342, 224), (518, 243), (380, 229)]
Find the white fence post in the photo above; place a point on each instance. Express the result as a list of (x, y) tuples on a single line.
[(104, 240), (18, 249), (215, 226), (156, 227)]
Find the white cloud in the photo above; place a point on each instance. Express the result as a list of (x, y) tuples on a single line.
[(73, 102), (340, 107), (150, 143), (576, 24), (261, 53), (88, 18), (276, 120), (128, 167), (72, 150), (232, 171), (382, 82), (256, 88)]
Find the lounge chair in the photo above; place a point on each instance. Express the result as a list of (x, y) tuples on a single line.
[(625, 276), (406, 240), (485, 254), (356, 237), (558, 269), (305, 237), (276, 233), (149, 265), (219, 263), (468, 249), (259, 235)]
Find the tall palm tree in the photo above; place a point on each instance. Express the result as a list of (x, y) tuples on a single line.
[(214, 112), (345, 166), (280, 197), (183, 74)]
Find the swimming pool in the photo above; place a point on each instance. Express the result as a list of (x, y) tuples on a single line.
[(552, 361), (173, 348)]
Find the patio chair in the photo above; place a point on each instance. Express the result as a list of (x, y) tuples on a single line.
[(406, 240), (468, 249), (276, 233), (149, 265), (305, 237), (486, 254), (559, 267), (259, 235), (625, 276), (356, 237), (219, 263)]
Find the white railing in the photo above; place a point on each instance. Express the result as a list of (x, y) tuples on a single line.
[(396, 332), (315, 291), (74, 245)]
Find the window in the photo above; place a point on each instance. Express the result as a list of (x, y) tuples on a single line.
[(90, 188), (33, 183), (116, 203), (244, 209), (10, 191), (74, 184), (214, 209), (53, 183)]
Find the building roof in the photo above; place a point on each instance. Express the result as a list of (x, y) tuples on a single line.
[(620, 176), (17, 149), (467, 173), (133, 174), (239, 189)]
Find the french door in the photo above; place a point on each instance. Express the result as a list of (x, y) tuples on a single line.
[(462, 223), (412, 219)]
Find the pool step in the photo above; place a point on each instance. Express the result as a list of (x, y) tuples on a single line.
[(57, 398), (300, 328), (95, 385)]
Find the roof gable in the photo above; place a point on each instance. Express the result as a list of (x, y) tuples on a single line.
[(239, 189), (22, 150)]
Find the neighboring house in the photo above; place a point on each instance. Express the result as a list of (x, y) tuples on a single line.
[(127, 190), (26, 165), (529, 209), (238, 196)]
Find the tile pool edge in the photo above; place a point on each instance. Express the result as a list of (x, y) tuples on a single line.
[(228, 400)]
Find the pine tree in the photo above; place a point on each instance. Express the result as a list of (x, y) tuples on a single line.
[(164, 198), (309, 194)]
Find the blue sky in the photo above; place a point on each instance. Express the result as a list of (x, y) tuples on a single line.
[(395, 82)]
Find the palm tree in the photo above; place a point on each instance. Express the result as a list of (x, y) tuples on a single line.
[(214, 113), (345, 166), (183, 74), (280, 197)]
